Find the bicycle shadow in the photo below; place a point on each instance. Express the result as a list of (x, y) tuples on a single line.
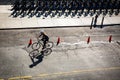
[(39, 60)]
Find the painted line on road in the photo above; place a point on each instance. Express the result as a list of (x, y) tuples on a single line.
[(77, 71), (20, 77), (88, 70), (43, 75), (65, 73)]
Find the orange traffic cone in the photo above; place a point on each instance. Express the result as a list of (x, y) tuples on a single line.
[(30, 42), (88, 40), (110, 38), (58, 41)]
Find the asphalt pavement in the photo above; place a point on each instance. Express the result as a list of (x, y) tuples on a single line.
[(72, 59)]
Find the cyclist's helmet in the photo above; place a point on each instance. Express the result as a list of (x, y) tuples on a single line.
[(42, 31)]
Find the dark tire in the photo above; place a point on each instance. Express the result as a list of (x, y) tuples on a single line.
[(49, 44), (34, 53), (47, 51), (36, 45)]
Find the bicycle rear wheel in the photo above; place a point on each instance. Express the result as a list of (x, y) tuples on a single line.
[(47, 51), (49, 44), (34, 53), (36, 45)]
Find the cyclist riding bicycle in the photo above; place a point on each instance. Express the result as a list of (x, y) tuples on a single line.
[(44, 37)]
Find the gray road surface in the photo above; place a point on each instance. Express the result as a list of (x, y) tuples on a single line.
[(72, 59)]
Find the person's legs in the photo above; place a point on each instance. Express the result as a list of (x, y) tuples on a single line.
[(44, 44)]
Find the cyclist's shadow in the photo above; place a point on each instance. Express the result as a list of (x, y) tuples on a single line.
[(40, 59)]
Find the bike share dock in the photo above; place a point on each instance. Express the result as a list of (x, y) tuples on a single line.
[(8, 22)]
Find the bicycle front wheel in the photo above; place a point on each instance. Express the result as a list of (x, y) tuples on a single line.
[(47, 51), (36, 45), (49, 44)]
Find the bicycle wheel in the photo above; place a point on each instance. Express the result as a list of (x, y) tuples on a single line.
[(47, 51), (34, 53), (36, 45), (49, 44)]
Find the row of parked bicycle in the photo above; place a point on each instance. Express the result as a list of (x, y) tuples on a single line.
[(53, 7), (72, 13), (65, 4)]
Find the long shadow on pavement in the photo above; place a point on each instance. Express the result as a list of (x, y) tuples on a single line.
[(40, 59), (34, 62), (106, 25)]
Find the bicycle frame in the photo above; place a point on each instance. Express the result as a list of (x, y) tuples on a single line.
[(40, 42)]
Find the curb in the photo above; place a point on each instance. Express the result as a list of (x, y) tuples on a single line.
[(98, 26)]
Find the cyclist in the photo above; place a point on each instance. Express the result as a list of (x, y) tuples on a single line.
[(44, 37)]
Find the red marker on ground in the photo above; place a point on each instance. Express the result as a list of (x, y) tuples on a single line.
[(88, 40), (30, 42), (58, 41), (110, 38)]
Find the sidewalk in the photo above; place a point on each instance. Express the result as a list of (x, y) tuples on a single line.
[(7, 22)]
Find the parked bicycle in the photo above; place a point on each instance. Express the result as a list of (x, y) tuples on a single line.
[(35, 53), (38, 44)]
